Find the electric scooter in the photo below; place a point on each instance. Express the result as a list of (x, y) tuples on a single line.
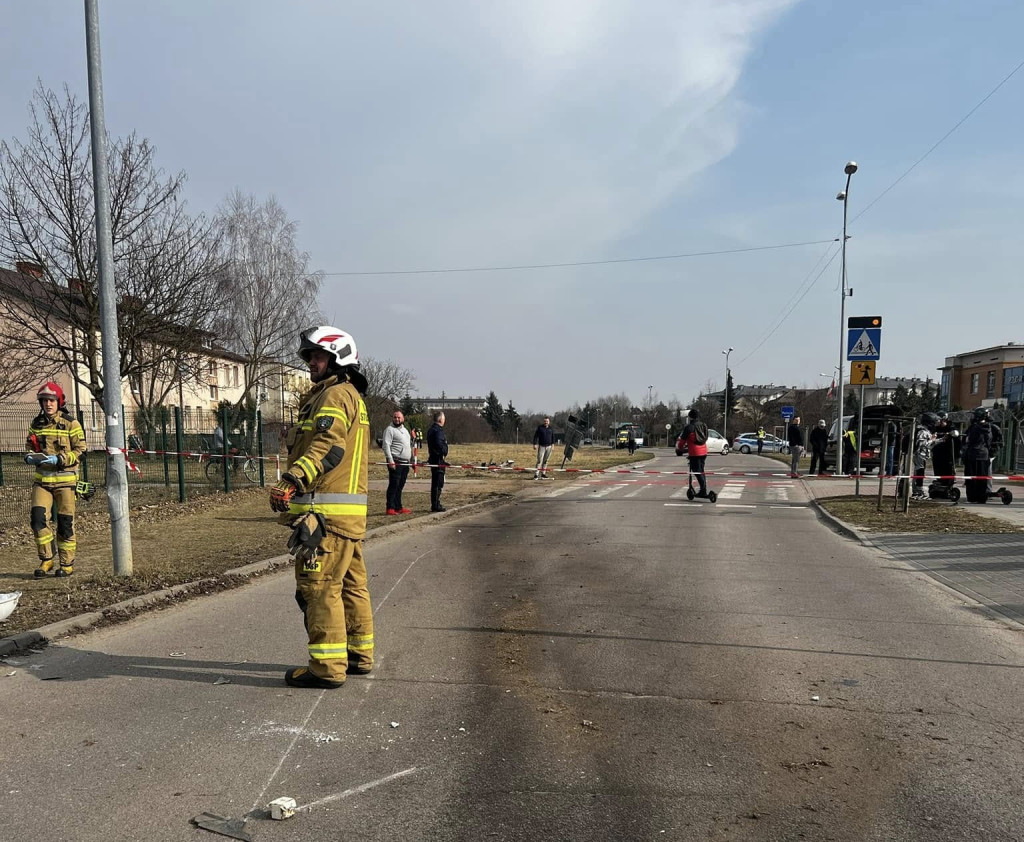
[(695, 495)]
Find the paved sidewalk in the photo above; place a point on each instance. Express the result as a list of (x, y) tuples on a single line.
[(986, 568)]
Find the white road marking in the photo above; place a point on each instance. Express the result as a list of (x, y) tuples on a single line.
[(637, 490), (606, 491), (790, 508), (559, 491), (678, 494), (732, 490), (677, 505), (358, 789), (735, 505)]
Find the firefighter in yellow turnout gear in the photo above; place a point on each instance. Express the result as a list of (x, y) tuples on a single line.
[(322, 496), (55, 443)]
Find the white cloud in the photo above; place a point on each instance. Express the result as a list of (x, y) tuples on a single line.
[(581, 119)]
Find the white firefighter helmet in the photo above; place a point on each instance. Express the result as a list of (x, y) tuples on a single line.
[(336, 342), (340, 346)]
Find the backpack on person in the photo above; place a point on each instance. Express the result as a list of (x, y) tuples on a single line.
[(700, 433)]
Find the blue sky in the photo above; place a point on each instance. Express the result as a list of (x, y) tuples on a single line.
[(453, 134)]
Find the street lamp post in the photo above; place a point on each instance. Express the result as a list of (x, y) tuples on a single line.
[(725, 396), (842, 196)]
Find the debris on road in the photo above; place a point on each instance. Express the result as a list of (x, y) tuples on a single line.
[(177, 654), (281, 808), (222, 680), (223, 825), (394, 724), (815, 698)]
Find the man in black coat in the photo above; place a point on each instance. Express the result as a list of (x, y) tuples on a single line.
[(437, 454), (819, 443), (977, 447)]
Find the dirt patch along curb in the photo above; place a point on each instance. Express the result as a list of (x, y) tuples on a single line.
[(125, 609)]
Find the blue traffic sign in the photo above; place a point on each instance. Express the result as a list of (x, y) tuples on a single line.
[(788, 413), (863, 343)]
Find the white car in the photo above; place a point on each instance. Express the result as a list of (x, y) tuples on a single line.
[(717, 444)]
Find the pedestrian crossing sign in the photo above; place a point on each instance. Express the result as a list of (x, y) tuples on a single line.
[(862, 373), (864, 343)]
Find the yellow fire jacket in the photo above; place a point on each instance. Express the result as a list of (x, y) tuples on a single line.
[(329, 458), (62, 436)]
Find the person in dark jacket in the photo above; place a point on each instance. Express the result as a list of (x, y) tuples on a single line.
[(437, 454), (819, 443), (543, 441), (977, 447), (795, 437), (695, 434)]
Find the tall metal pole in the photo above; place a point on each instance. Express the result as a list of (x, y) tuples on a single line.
[(117, 475), (851, 168), (725, 397)]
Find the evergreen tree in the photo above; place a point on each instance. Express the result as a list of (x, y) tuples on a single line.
[(492, 413), (851, 406), (901, 398), (512, 420), (729, 395), (409, 406)]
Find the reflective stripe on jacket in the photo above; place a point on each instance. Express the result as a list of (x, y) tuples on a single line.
[(328, 455), (62, 436)]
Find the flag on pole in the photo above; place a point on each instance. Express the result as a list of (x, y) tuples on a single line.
[(832, 389)]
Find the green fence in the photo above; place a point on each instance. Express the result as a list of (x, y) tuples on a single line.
[(171, 459)]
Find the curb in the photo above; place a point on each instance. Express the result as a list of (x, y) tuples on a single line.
[(83, 622), (841, 526)]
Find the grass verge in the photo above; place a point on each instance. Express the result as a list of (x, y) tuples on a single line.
[(175, 543), (924, 516)]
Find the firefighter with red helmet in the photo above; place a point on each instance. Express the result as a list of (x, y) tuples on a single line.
[(55, 443), (322, 497)]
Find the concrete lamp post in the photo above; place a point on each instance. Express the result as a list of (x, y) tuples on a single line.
[(843, 197)]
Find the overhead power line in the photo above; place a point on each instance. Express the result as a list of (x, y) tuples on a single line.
[(576, 262), (787, 309), (940, 141)]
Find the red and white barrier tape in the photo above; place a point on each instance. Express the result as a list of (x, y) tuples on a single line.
[(523, 469)]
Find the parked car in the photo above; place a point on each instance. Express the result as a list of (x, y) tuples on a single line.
[(870, 442), (717, 444), (747, 443)]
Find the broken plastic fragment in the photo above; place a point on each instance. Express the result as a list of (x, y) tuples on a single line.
[(815, 698), (394, 724), (222, 680), (224, 825)]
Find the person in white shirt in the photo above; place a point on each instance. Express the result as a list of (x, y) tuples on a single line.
[(397, 446)]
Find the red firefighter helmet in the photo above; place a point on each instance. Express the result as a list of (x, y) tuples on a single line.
[(51, 390)]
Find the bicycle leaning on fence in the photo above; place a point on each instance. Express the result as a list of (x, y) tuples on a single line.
[(241, 463)]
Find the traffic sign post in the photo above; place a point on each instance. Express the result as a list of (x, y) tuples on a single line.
[(863, 348), (787, 415), (862, 373)]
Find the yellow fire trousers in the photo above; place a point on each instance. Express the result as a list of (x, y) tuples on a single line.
[(332, 592), (42, 502)]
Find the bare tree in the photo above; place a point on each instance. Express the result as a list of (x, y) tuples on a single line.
[(387, 384), (164, 261), (269, 285), (20, 370)]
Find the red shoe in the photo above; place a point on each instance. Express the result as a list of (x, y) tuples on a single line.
[(391, 512), (405, 511)]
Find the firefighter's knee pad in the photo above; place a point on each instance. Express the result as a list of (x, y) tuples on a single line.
[(66, 527), (37, 518)]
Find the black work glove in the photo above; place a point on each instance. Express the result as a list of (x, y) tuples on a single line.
[(307, 535)]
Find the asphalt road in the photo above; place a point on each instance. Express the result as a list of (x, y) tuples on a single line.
[(602, 661)]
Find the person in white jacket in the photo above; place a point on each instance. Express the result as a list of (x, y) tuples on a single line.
[(397, 446)]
